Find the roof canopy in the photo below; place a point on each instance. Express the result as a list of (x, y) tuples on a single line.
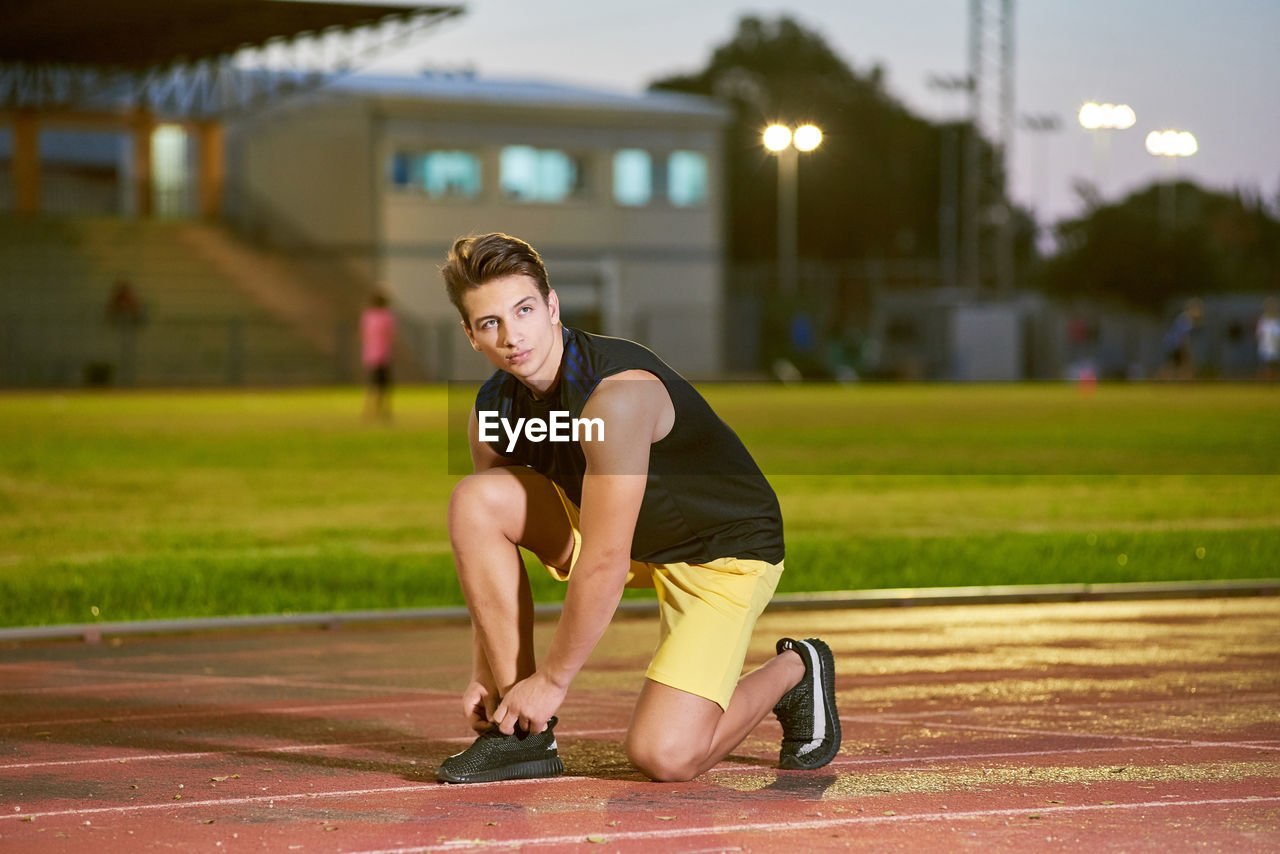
[(189, 58), (140, 34)]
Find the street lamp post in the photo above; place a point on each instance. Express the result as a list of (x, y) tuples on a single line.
[(949, 219), (1042, 125), (1171, 145), (787, 146)]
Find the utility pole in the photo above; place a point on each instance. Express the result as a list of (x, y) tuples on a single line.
[(949, 181)]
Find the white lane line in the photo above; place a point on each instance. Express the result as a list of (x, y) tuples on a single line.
[(217, 681), (735, 768), (813, 824), (243, 711), (441, 787), (1198, 700), (1152, 744), (207, 651), (205, 754), (944, 758), (148, 678), (108, 718), (261, 799), (295, 748), (1183, 742)]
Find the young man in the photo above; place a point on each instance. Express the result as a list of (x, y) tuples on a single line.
[(653, 490)]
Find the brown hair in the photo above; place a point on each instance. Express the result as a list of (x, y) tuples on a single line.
[(478, 260)]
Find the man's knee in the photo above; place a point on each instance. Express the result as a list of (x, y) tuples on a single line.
[(513, 503), (482, 495), (668, 762)]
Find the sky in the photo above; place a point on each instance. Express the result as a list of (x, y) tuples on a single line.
[(1211, 67)]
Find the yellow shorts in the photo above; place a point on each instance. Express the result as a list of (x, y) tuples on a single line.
[(707, 613)]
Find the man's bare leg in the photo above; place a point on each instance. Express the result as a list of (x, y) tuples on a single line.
[(706, 733), (491, 514)]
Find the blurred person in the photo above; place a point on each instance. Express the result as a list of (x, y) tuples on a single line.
[(377, 343), (1268, 335), (1082, 340), (124, 308), (1180, 342), (662, 494), (125, 313)]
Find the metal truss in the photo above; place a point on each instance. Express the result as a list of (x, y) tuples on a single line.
[(249, 79), (991, 109)]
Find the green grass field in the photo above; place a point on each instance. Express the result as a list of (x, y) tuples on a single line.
[(121, 506)]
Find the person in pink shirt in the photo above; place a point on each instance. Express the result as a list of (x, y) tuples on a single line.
[(377, 341)]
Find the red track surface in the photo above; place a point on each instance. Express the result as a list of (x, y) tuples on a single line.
[(1134, 726)]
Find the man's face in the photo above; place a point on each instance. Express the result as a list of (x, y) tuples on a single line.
[(508, 321)]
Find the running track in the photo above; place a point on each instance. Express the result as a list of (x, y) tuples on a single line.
[(1095, 726)]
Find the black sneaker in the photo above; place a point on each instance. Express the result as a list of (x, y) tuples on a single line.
[(494, 756), (810, 724)]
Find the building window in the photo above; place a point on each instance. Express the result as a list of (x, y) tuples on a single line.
[(170, 171), (531, 174), (632, 177), (686, 178), (441, 174)]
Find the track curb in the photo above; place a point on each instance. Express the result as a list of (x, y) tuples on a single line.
[(882, 598)]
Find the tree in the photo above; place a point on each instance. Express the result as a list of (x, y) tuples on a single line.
[(870, 191), (1167, 241)]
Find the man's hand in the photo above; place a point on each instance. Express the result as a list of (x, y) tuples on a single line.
[(478, 705), (529, 705)]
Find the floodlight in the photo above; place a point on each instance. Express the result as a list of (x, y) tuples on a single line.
[(1171, 143), (807, 138), (1107, 116), (777, 137), (1091, 116)]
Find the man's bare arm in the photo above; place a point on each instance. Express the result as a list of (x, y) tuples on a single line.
[(636, 411)]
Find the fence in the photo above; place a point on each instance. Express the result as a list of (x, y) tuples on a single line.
[(174, 351)]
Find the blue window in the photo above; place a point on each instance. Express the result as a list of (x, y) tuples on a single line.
[(632, 177), (529, 174), (401, 169), (686, 178), (441, 174)]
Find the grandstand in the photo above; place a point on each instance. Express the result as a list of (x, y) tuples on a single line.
[(113, 169), (213, 309)]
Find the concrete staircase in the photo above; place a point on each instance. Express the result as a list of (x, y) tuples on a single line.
[(217, 310)]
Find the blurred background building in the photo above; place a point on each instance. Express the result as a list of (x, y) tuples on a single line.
[(209, 198), (621, 194), (249, 212)]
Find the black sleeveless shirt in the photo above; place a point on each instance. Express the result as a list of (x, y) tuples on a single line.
[(705, 498)]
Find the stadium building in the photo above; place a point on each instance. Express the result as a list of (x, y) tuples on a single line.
[(251, 212), (621, 194)]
